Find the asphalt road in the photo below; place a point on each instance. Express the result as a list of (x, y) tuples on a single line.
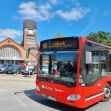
[(17, 94)]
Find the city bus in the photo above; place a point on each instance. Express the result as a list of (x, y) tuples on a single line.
[(74, 71)]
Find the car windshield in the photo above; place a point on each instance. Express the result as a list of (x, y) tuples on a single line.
[(3, 65), (12, 67), (59, 66)]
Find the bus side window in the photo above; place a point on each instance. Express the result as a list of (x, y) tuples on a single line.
[(91, 75), (97, 66)]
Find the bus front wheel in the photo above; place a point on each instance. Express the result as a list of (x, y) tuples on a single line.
[(107, 92)]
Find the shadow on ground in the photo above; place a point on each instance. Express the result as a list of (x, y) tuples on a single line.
[(31, 94)]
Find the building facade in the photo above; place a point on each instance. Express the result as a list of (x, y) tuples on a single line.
[(12, 52)]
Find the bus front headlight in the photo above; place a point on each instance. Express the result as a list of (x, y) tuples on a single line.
[(37, 88), (73, 97)]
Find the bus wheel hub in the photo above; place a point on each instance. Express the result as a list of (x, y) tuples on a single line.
[(107, 92)]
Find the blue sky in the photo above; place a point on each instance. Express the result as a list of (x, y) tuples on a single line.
[(68, 17)]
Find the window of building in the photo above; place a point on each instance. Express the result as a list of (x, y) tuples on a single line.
[(9, 52)]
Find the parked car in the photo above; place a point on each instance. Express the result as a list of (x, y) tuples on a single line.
[(33, 68), (12, 69), (30, 71), (4, 67), (21, 69)]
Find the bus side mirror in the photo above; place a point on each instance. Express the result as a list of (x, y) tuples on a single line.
[(27, 53), (88, 57)]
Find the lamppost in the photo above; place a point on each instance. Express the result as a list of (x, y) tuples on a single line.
[(27, 56)]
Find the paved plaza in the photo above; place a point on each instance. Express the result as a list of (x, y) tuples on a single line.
[(17, 94)]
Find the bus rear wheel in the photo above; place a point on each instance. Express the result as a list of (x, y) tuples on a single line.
[(107, 93)]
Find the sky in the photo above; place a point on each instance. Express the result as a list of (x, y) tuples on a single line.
[(66, 17)]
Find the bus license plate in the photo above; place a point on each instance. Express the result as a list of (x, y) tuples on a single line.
[(51, 98), (48, 97), (43, 95)]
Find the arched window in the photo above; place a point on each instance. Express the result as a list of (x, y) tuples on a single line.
[(9, 52)]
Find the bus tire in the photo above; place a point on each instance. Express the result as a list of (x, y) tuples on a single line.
[(107, 93)]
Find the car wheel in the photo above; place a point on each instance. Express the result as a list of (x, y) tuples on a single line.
[(107, 92)]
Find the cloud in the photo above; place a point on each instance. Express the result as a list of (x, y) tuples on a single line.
[(31, 10), (74, 14), (12, 33), (46, 11), (54, 2), (28, 9)]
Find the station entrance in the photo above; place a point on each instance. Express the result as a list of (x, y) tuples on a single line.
[(10, 55)]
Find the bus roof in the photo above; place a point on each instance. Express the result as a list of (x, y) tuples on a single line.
[(71, 37), (75, 37), (98, 43)]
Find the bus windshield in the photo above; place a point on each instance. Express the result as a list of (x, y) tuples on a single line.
[(59, 67)]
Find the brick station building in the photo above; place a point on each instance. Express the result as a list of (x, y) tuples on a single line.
[(12, 52)]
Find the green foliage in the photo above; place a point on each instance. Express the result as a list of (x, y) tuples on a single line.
[(59, 35), (100, 37)]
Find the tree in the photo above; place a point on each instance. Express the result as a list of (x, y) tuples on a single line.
[(100, 37), (59, 35)]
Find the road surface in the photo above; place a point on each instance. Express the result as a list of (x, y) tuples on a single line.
[(17, 94)]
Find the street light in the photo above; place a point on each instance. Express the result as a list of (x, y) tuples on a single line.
[(27, 53)]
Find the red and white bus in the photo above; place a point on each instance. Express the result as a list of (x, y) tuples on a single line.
[(74, 71)]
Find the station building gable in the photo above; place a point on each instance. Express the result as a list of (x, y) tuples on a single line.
[(12, 52)]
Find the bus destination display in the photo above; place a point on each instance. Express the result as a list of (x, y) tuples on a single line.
[(60, 43)]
